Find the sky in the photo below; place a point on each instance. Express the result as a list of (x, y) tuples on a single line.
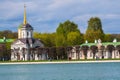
[(46, 15)]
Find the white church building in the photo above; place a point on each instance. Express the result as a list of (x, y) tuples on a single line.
[(21, 47)]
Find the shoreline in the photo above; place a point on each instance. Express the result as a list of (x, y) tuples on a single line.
[(60, 62)]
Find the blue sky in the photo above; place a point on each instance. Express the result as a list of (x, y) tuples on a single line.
[(45, 15)]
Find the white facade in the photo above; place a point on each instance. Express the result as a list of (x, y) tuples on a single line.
[(89, 54), (21, 47)]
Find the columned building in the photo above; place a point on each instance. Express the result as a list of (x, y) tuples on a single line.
[(21, 47), (97, 50)]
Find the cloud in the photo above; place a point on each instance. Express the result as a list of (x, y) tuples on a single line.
[(107, 20), (45, 15)]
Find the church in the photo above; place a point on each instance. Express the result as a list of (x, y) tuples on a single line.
[(20, 48)]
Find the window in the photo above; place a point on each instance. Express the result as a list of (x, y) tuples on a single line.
[(27, 34)]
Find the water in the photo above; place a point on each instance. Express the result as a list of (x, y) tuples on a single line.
[(82, 71)]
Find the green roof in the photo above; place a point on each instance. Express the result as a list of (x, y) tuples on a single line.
[(88, 44), (7, 40), (104, 44)]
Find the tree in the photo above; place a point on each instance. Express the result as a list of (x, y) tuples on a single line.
[(94, 30), (48, 39), (74, 38), (8, 34), (66, 27), (115, 36), (108, 38), (60, 40), (67, 30)]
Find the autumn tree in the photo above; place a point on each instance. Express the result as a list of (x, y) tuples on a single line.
[(94, 30)]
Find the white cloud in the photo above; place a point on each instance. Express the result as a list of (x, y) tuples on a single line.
[(102, 16), (47, 13)]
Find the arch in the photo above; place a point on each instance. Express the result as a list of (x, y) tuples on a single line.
[(110, 49), (85, 51), (94, 50), (118, 49)]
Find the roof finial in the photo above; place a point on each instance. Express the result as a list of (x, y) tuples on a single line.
[(25, 20)]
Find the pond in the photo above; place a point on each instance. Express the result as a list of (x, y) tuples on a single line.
[(73, 71)]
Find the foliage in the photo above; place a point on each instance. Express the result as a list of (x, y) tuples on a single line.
[(60, 40), (8, 45), (8, 34), (74, 38), (66, 31), (111, 37), (48, 39), (115, 36), (108, 38), (94, 30)]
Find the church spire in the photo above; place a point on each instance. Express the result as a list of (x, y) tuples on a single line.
[(25, 20)]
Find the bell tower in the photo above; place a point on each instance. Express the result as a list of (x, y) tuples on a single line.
[(25, 30)]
